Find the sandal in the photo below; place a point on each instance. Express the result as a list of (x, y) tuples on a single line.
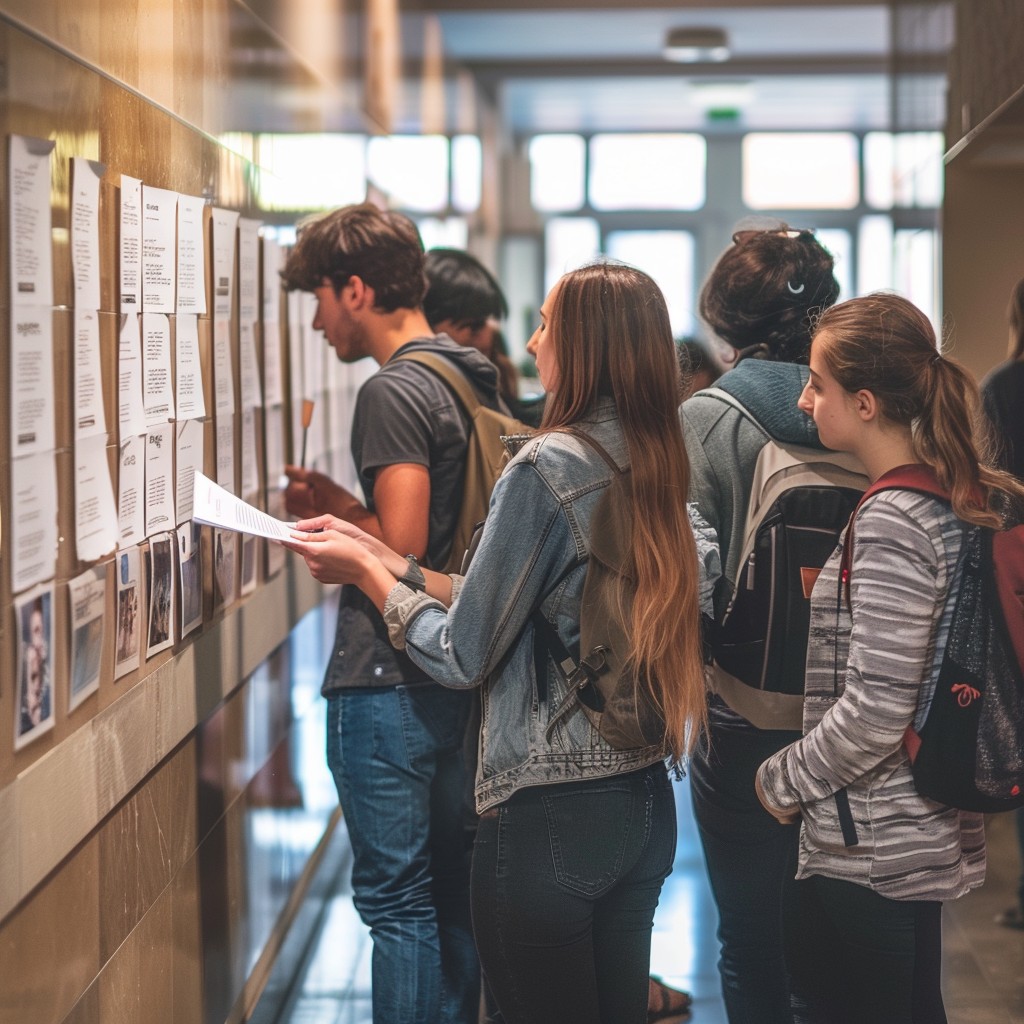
[(664, 1002)]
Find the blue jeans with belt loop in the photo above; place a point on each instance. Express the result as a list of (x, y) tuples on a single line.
[(396, 757), (566, 878)]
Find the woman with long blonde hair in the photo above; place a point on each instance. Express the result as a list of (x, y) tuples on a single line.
[(576, 836)]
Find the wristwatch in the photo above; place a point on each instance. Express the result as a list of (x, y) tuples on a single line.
[(413, 577)]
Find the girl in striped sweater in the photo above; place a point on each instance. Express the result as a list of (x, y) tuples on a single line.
[(876, 858)]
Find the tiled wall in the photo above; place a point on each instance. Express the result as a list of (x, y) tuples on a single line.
[(153, 843)]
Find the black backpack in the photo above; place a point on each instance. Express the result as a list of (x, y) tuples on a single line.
[(800, 500), (969, 753), (616, 705)]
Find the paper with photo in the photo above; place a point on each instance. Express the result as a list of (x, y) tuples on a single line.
[(225, 452), (131, 245), (96, 526), (248, 270), (190, 577), (131, 410), (85, 231), (188, 459), (131, 500), (128, 609), (189, 376), (160, 479), (159, 223), (160, 578), (225, 233), (191, 256), (33, 520), (156, 368), (30, 222), (32, 383), (34, 708), (87, 596), (89, 418), (215, 506)]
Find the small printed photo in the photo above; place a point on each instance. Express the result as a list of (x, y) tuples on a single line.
[(223, 568), (35, 670), (250, 545), (161, 594), (87, 596), (128, 630), (191, 577)]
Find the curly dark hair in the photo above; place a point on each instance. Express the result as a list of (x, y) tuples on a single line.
[(381, 247), (766, 289)]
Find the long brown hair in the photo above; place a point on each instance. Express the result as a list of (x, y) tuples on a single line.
[(884, 344), (611, 337)]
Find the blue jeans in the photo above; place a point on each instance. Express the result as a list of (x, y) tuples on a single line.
[(396, 757), (566, 878), (751, 862)]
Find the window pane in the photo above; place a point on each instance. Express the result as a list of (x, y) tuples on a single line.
[(874, 254), (448, 233), (556, 172), (412, 170), (668, 256), (647, 172), (310, 172), (837, 241), (903, 170), (466, 173), (800, 171), (916, 270), (568, 243)]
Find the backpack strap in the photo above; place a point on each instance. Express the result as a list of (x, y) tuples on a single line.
[(723, 396), (450, 374)]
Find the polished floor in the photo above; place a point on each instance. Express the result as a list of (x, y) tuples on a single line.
[(983, 962)]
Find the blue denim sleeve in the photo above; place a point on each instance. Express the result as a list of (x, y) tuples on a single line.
[(527, 545)]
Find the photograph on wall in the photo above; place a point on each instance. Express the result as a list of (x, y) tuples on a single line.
[(250, 549), (191, 577), (129, 591), (87, 597), (160, 576), (224, 574), (34, 617)]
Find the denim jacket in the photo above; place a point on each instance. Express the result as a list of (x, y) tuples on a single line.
[(533, 551)]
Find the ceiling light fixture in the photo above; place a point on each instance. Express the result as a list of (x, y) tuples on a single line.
[(693, 45)]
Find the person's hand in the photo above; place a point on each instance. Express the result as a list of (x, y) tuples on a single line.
[(332, 556), (392, 561), (310, 493), (783, 815)]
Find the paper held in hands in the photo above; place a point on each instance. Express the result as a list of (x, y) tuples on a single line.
[(215, 506)]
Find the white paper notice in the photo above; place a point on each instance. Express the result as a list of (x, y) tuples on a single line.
[(225, 444), (85, 231), (131, 490), (89, 418), (156, 362), (191, 258), (248, 368), (250, 459), (223, 374), (273, 392), (31, 245), (296, 347), (189, 375), (159, 220), (128, 608), (225, 224), (273, 431), (160, 479), (271, 281), (131, 244), (87, 595), (248, 270), (95, 514), (131, 411), (216, 507), (32, 405), (33, 520), (188, 459)]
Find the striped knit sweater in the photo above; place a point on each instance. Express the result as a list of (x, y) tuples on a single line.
[(867, 679)]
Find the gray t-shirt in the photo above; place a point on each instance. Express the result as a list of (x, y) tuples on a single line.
[(405, 413)]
